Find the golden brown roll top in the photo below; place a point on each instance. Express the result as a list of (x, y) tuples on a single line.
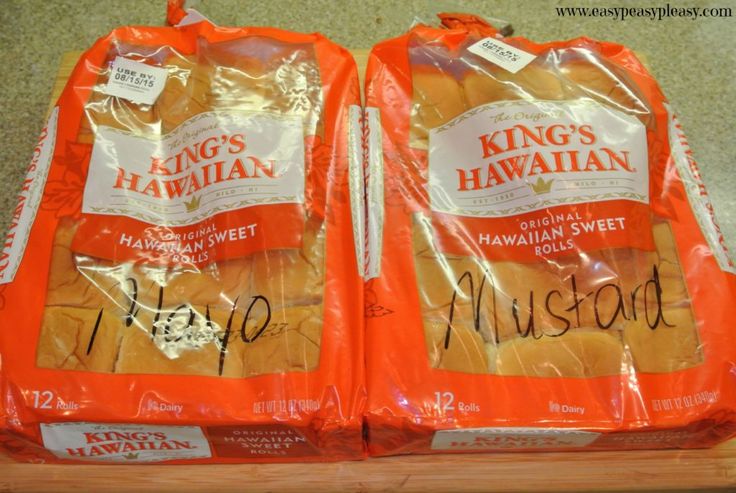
[(581, 354), (187, 340), (79, 339), (244, 75), (443, 91), (437, 99), (292, 276), (456, 347)]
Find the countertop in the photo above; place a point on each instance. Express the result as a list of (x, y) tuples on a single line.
[(694, 61)]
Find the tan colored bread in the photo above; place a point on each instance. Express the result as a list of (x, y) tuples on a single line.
[(463, 351), (668, 347), (70, 284), (437, 99), (669, 269), (494, 84), (293, 276), (442, 276), (185, 93), (575, 354), (596, 79), (79, 339), (181, 342), (290, 342)]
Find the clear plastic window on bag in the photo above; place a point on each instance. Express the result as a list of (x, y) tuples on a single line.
[(551, 313), (176, 311)]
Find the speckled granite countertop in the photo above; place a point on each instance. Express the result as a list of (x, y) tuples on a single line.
[(694, 60)]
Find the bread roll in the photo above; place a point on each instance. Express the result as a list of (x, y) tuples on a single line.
[(185, 93), (440, 277), (241, 84), (482, 88), (79, 339), (290, 342), (535, 81), (292, 276), (669, 269), (522, 289), (591, 77), (462, 350), (665, 345), (437, 99), (581, 354), (70, 285), (444, 278), (181, 341), (421, 236)]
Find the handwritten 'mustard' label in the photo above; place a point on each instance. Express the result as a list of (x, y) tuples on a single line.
[(215, 162), (509, 158)]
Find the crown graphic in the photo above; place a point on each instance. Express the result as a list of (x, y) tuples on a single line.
[(541, 186), (193, 204), (131, 456)]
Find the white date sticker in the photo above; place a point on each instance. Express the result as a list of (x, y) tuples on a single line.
[(135, 81)]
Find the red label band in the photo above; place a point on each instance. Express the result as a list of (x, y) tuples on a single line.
[(262, 440), (550, 233), (221, 237)]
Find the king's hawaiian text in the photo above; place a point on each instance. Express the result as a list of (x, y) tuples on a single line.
[(216, 159)]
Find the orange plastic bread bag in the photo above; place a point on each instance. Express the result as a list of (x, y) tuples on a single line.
[(180, 281), (551, 274)]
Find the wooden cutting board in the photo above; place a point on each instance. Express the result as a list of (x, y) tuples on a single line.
[(663, 470), (660, 470)]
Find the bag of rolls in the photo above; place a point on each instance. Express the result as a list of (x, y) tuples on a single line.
[(188, 290), (552, 276)]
